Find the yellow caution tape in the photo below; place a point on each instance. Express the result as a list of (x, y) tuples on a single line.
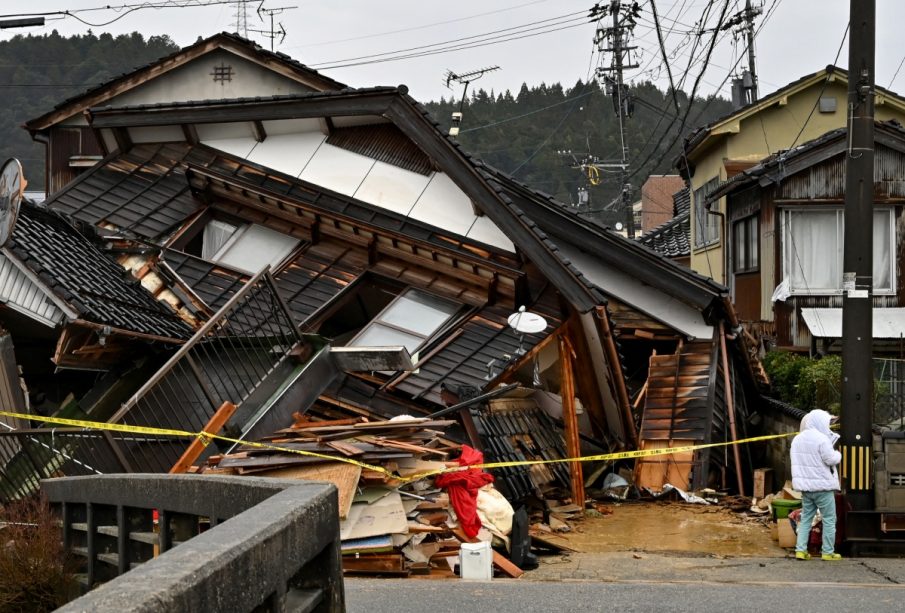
[(206, 437)]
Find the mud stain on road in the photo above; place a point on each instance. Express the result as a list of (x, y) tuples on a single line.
[(674, 527)]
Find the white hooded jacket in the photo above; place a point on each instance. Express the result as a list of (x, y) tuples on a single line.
[(813, 458)]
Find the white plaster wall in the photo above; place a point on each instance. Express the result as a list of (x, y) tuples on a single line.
[(337, 169), (392, 188), (288, 153), (194, 81)]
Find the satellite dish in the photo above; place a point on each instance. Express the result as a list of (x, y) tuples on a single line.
[(525, 322), (12, 185)]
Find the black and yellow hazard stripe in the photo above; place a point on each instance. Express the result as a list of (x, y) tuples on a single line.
[(857, 472)]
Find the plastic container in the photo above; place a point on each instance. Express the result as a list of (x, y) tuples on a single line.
[(782, 507), (476, 561)]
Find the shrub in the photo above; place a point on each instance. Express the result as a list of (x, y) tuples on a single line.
[(35, 573)]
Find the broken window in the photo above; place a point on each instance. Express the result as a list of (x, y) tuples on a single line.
[(253, 247), (409, 320), (242, 246), (379, 312)]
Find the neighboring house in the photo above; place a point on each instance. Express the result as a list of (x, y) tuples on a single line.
[(786, 222), (671, 239), (220, 66), (657, 205), (790, 116), (376, 229)]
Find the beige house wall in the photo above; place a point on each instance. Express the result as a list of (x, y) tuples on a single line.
[(767, 130)]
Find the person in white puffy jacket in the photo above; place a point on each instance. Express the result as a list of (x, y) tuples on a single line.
[(814, 475)]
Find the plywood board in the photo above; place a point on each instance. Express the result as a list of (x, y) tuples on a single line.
[(674, 468), (385, 516), (344, 476)]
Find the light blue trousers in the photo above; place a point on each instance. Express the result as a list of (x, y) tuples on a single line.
[(810, 502)]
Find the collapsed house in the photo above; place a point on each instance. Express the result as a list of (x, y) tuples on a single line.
[(252, 233)]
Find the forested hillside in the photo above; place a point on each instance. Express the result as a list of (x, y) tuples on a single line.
[(524, 135), (519, 133), (37, 72)]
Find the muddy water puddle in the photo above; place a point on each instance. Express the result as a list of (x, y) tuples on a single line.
[(673, 527)]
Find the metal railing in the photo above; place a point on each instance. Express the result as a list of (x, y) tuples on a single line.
[(889, 388), (201, 543), (227, 359)]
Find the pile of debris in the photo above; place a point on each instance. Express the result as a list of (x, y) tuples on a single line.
[(396, 514)]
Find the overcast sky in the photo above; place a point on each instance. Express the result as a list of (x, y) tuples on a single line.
[(550, 40)]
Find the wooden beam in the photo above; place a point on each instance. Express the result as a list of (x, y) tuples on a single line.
[(609, 345), (730, 408), (196, 447), (190, 133), (257, 129), (570, 419)]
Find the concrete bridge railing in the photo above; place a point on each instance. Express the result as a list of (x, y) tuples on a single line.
[(220, 543)]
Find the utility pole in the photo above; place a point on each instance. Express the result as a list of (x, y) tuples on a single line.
[(744, 88), (272, 33), (464, 79), (613, 39), (857, 263)]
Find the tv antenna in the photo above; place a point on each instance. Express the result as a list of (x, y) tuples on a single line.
[(12, 187), (525, 322), (276, 30), (464, 79)]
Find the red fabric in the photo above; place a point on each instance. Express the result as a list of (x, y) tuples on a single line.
[(463, 489)]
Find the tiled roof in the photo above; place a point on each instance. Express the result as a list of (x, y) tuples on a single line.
[(672, 239), (95, 286), (212, 283), (143, 191)]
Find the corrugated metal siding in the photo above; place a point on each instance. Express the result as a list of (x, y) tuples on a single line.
[(827, 179), (889, 173), (383, 142), (21, 293)]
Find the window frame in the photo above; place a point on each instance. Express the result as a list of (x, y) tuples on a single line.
[(378, 319), (785, 228), (706, 226), (751, 231)]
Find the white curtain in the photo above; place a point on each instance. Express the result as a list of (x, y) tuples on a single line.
[(216, 233), (813, 250), (882, 269)]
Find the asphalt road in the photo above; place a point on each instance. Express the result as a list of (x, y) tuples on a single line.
[(498, 596)]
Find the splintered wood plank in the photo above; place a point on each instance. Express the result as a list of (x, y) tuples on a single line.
[(197, 446), (342, 474)]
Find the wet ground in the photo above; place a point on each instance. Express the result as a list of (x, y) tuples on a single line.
[(672, 527)]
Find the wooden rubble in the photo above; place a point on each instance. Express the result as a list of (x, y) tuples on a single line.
[(410, 531)]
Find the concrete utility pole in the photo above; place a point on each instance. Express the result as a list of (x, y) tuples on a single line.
[(614, 40), (857, 285), (744, 88)]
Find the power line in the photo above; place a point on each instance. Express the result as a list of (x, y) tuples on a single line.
[(576, 18), (421, 27)]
